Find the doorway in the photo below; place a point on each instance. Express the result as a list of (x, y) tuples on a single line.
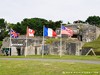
[(19, 51)]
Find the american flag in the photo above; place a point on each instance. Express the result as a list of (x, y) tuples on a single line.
[(13, 33), (66, 31)]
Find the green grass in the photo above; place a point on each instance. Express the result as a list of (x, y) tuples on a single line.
[(57, 57), (94, 44), (30, 67), (0, 43)]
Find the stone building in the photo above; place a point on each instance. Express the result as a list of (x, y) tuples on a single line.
[(70, 46), (18, 45), (83, 32)]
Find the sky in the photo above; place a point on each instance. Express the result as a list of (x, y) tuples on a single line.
[(14, 11)]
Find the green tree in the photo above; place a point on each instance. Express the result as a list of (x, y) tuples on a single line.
[(93, 20), (79, 21), (2, 24), (54, 25), (3, 31), (35, 24), (18, 28)]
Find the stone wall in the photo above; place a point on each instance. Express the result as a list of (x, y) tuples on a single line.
[(88, 33), (69, 47), (18, 45), (83, 32)]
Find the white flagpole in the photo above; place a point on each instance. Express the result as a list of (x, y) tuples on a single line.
[(43, 43), (10, 41), (61, 41), (26, 43), (26, 47)]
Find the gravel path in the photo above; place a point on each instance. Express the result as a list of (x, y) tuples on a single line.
[(54, 60)]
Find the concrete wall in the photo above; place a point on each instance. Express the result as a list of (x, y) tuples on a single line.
[(14, 51), (33, 50)]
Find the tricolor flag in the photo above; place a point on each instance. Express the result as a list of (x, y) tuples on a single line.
[(67, 31), (13, 34), (49, 32), (30, 32)]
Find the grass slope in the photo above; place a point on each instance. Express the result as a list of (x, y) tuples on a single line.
[(94, 44)]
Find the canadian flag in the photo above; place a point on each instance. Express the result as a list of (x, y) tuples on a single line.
[(30, 32)]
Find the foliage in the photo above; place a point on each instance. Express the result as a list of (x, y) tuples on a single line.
[(2, 23), (35, 24), (0, 43), (94, 20), (79, 21), (2, 29)]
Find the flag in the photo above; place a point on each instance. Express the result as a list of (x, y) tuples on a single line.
[(67, 31), (49, 32), (13, 34), (30, 32)]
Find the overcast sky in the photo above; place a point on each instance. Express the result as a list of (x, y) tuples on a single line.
[(66, 10)]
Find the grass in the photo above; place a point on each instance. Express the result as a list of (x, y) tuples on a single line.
[(66, 57), (30, 67), (0, 43), (94, 44)]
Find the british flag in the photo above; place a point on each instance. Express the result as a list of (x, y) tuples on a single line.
[(13, 34)]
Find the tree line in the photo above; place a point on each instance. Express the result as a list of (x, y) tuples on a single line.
[(37, 24)]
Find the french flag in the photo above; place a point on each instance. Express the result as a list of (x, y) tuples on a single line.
[(49, 32)]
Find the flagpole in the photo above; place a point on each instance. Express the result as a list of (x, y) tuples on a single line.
[(61, 41), (26, 47), (43, 43), (26, 43), (10, 42)]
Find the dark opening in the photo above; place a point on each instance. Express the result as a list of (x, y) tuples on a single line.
[(71, 48), (35, 50), (18, 51), (74, 36)]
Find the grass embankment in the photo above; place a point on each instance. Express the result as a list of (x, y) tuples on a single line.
[(94, 44), (30, 67)]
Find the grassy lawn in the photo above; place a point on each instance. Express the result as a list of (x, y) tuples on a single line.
[(30, 67), (57, 57)]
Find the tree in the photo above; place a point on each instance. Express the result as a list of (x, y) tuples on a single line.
[(93, 20), (3, 31), (68, 22), (79, 21), (35, 24), (2, 24)]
